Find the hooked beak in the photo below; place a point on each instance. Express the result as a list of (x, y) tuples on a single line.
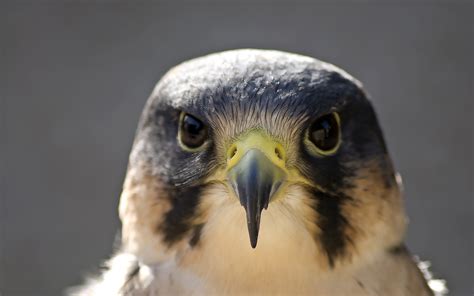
[(255, 179)]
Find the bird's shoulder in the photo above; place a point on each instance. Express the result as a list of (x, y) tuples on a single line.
[(116, 276)]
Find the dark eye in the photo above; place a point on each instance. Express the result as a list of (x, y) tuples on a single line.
[(324, 133), (192, 132)]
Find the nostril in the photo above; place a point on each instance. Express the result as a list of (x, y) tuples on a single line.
[(279, 153), (232, 152)]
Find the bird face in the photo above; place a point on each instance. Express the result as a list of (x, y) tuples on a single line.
[(261, 125), (256, 169)]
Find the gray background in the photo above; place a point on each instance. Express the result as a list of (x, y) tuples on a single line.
[(75, 76)]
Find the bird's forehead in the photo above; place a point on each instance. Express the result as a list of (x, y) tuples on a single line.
[(250, 76), (254, 87)]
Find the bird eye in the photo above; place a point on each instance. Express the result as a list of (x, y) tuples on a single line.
[(324, 133), (192, 132)]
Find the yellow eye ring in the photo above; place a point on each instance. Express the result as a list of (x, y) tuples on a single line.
[(323, 137), (192, 133)]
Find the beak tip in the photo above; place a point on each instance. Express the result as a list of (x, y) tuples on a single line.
[(253, 242)]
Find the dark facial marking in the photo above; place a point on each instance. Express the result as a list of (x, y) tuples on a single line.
[(196, 235), (331, 222), (329, 172), (156, 146), (177, 222)]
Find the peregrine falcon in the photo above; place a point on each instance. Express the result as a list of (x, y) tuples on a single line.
[(259, 172)]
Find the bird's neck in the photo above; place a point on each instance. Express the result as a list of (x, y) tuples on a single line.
[(287, 255), (286, 260), (224, 256)]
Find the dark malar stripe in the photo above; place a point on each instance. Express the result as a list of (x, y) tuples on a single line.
[(178, 220), (332, 223), (196, 235)]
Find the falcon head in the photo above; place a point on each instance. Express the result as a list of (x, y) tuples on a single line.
[(255, 149)]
